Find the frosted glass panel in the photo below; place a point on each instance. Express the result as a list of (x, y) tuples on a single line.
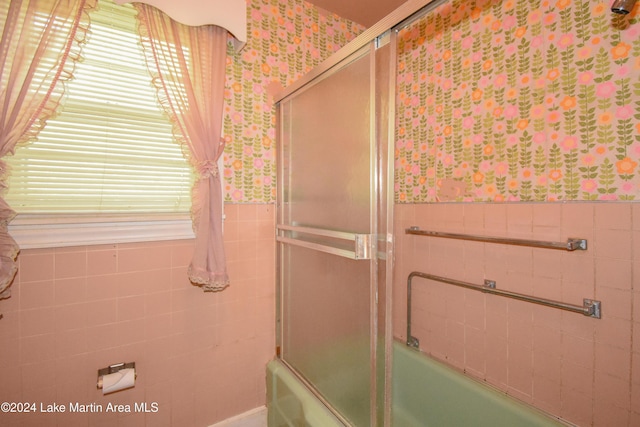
[(327, 328), (326, 182), (329, 176)]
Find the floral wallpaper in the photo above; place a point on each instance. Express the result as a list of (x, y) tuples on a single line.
[(508, 100), (286, 39)]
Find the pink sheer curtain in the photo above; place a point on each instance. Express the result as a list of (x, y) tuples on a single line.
[(188, 69), (39, 45)]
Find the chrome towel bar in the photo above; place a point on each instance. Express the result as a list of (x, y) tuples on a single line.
[(361, 248), (590, 308), (571, 244)]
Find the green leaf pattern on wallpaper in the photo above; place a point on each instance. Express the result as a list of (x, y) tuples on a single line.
[(286, 39), (533, 100)]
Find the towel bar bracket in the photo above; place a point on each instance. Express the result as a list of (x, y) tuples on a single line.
[(576, 244), (413, 342), (592, 308), (491, 284)]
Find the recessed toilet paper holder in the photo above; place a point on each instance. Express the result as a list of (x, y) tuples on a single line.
[(113, 369)]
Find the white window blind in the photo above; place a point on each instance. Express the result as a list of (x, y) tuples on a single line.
[(111, 149)]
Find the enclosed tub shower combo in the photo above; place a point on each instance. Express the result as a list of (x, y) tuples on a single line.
[(340, 131)]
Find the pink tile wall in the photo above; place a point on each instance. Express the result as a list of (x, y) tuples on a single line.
[(584, 370), (200, 356)]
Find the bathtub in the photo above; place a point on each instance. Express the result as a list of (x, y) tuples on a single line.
[(425, 393)]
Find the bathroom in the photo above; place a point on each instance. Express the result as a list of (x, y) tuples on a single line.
[(201, 356)]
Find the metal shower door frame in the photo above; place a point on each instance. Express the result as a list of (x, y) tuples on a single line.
[(381, 41), (360, 247)]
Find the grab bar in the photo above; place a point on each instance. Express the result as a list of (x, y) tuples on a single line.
[(362, 243), (571, 244), (589, 307)]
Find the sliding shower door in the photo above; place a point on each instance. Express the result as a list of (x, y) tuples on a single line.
[(327, 237)]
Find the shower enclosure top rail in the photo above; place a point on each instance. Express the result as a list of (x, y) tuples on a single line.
[(590, 308), (572, 244)]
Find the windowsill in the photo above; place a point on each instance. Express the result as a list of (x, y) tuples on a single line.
[(50, 231)]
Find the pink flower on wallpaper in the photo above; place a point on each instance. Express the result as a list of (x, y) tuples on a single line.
[(605, 90), (628, 187), (553, 117), (584, 52), (625, 112), (485, 166), (509, 22), (565, 40), (537, 111), (535, 16), (468, 122), (500, 80), (237, 117), (484, 82), (585, 78), (537, 42), (569, 143), (237, 195), (622, 71), (467, 42), (501, 168), (511, 111), (258, 163), (589, 185), (540, 138)]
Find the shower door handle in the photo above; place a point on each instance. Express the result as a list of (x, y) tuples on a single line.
[(345, 244)]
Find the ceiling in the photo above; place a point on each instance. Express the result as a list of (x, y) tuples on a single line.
[(364, 12)]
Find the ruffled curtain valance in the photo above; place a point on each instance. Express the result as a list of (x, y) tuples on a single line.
[(40, 43)]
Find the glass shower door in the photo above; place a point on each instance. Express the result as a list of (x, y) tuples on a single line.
[(326, 238)]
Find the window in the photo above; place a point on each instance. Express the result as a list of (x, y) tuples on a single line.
[(109, 156)]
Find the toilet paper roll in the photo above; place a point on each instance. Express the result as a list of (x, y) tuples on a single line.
[(124, 378)]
